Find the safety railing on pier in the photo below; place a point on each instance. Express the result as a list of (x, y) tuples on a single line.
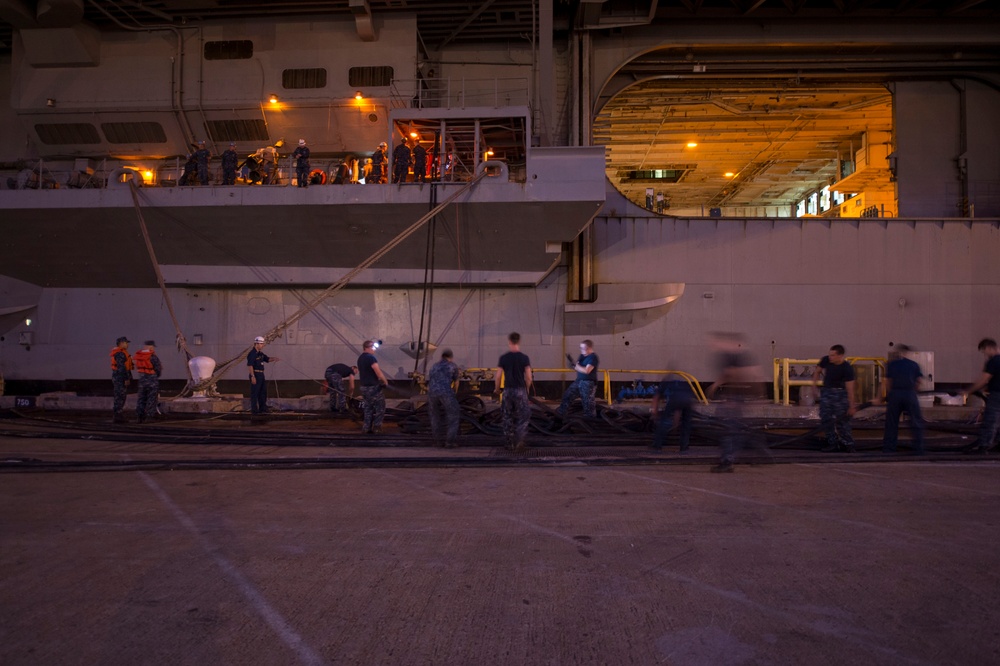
[(784, 378)]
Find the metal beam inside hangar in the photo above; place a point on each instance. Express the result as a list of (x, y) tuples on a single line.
[(754, 113)]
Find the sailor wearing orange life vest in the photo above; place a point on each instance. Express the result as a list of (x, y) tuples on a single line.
[(121, 376), (148, 365)]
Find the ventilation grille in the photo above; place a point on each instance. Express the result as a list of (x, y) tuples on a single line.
[(237, 130), (292, 79), (236, 49), (369, 76), (140, 132), (63, 133)]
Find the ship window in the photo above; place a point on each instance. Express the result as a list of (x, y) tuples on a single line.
[(59, 133), (237, 130), (303, 78), (234, 49), (144, 132), (369, 76)]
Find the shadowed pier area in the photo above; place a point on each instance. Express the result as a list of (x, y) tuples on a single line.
[(542, 559)]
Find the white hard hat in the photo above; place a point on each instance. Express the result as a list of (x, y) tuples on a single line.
[(259, 338)]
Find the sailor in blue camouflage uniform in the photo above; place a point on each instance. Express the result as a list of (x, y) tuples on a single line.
[(442, 403), (301, 157), (586, 381), (514, 373), (230, 160), (121, 376), (990, 380), (836, 399), (373, 384), (201, 157), (336, 375), (147, 363)]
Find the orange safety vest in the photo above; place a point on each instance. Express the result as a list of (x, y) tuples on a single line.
[(128, 359), (142, 362)]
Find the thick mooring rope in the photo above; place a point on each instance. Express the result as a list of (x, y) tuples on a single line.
[(276, 332)]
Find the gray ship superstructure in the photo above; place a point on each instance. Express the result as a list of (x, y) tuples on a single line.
[(101, 123)]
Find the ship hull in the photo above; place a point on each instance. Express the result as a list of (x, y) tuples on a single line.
[(793, 287), (497, 232)]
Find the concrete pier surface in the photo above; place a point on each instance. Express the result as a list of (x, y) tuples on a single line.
[(835, 562)]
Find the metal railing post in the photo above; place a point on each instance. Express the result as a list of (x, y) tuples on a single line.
[(775, 379), (784, 374)]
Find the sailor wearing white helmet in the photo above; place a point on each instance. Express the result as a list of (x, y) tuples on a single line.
[(258, 384)]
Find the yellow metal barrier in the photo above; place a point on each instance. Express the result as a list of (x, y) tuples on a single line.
[(783, 382), (487, 374), (690, 379)]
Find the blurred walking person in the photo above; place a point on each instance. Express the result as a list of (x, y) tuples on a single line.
[(741, 377)]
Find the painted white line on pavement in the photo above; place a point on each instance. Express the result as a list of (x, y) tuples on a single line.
[(277, 622), (917, 481)]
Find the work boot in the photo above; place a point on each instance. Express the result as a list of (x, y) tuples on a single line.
[(723, 468)]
